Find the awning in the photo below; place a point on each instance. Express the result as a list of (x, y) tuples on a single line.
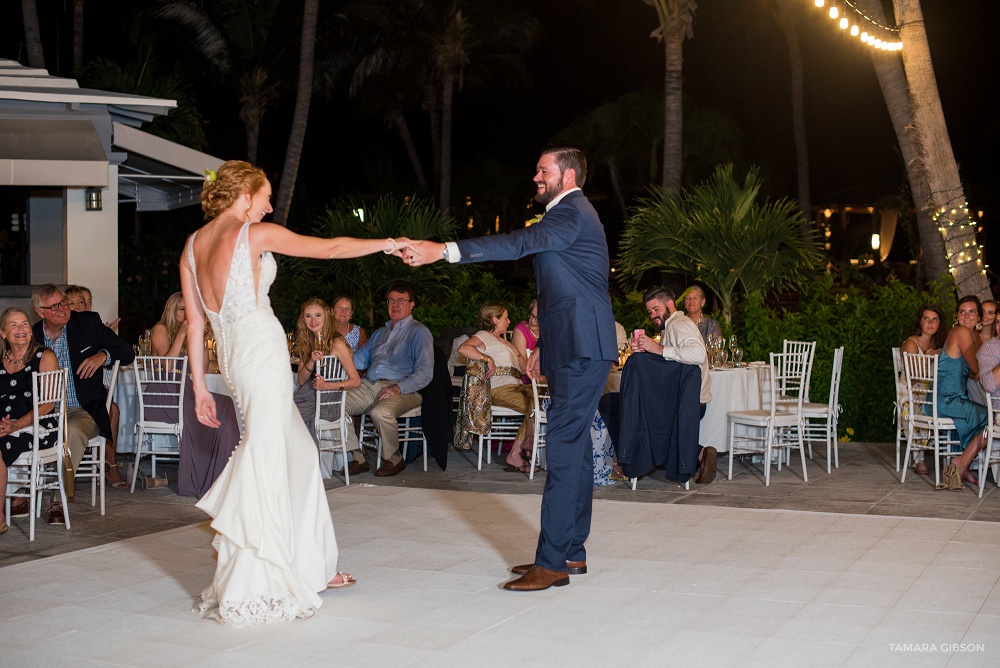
[(51, 152), (159, 175)]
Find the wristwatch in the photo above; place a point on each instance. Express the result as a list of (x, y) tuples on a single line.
[(445, 254)]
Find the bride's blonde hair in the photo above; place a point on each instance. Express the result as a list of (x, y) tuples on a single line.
[(234, 178)]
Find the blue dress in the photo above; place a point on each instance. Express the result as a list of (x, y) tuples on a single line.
[(953, 398)]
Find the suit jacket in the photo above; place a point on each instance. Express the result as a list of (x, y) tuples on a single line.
[(86, 335), (660, 414), (571, 270)]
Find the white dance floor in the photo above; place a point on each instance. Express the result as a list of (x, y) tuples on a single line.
[(669, 584)]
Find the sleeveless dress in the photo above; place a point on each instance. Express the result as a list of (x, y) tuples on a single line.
[(274, 534), (953, 398), (16, 401)]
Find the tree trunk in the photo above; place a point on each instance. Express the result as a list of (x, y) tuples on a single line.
[(404, 134), (300, 119), (935, 156), (892, 81), (447, 102), (673, 110), (77, 35), (785, 14), (32, 34)]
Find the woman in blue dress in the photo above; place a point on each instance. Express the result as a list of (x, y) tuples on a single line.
[(955, 365)]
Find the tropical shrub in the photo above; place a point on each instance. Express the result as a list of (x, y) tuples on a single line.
[(717, 233)]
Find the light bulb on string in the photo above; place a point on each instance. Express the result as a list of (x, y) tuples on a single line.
[(854, 30), (820, 3), (843, 23), (864, 37), (834, 12)]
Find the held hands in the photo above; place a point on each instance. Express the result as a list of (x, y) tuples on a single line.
[(420, 253), (321, 383), (204, 406), (5, 425), (91, 365)]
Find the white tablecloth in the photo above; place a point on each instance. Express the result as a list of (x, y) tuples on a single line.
[(732, 390), (128, 405)]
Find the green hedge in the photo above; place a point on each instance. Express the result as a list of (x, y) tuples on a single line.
[(868, 326)]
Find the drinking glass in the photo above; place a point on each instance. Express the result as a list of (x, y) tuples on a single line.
[(733, 343), (737, 356), (723, 356)]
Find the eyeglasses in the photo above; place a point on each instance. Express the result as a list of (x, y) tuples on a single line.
[(397, 302), (533, 316), (64, 304)]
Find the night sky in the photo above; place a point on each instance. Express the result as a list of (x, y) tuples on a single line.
[(592, 51)]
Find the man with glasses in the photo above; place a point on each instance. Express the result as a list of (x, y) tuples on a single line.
[(85, 346), (399, 358)]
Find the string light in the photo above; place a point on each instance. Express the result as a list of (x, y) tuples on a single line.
[(877, 35), (957, 227)]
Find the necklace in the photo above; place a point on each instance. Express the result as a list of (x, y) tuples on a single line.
[(7, 356)]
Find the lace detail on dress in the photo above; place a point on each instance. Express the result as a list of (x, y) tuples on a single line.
[(252, 611)]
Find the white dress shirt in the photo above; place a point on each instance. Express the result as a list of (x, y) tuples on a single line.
[(682, 342)]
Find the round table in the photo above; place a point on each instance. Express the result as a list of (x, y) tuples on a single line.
[(732, 390)]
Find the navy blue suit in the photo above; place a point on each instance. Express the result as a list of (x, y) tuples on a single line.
[(577, 347)]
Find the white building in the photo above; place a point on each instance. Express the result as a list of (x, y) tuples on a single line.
[(57, 143)]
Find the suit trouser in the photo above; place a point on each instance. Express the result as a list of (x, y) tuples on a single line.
[(364, 399), (80, 428), (567, 501)]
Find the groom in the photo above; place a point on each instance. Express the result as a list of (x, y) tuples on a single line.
[(578, 346)]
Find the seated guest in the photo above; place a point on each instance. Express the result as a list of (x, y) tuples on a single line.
[(80, 299), (986, 323), (204, 450), (694, 302), (681, 342), (956, 364), (504, 366), (926, 338), (22, 356), (316, 336), (525, 336), (988, 359), (399, 358), (343, 310), (84, 346)]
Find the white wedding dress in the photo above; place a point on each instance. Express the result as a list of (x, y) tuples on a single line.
[(274, 534)]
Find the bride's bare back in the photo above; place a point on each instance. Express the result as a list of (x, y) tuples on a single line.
[(214, 245)]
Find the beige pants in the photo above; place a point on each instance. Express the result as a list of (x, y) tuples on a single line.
[(364, 399), (517, 398), (80, 428)]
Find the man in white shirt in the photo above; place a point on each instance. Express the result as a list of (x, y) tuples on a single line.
[(680, 341)]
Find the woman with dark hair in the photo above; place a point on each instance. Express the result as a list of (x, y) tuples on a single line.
[(22, 356), (343, 310), (956, 364), (928, 333), (988, 320), (317, 336), (274, 533)]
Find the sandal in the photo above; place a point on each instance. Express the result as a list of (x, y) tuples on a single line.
[(3, 527), (118, 484), (345, 581)]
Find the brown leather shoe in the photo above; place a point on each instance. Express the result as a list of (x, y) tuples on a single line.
[(706, 468), (388, 469), (355, 468), (572, 567), (20, 509), (56, 514), (537, 579)]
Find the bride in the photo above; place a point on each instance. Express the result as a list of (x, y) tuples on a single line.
[(274, 534)]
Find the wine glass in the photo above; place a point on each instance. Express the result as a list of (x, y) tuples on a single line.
[(723, 356), (733, 343), (737, 356)]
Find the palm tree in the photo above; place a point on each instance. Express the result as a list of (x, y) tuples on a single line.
[(300, 118), (32, 34), (944, 192), (786, 13), (717, 233), (676, 24), (77, 35), (234, 37), (895, 90)]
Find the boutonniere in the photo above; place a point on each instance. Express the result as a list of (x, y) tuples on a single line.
[(536, 219)]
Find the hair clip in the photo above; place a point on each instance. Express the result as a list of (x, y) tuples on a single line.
[(211, 175)]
